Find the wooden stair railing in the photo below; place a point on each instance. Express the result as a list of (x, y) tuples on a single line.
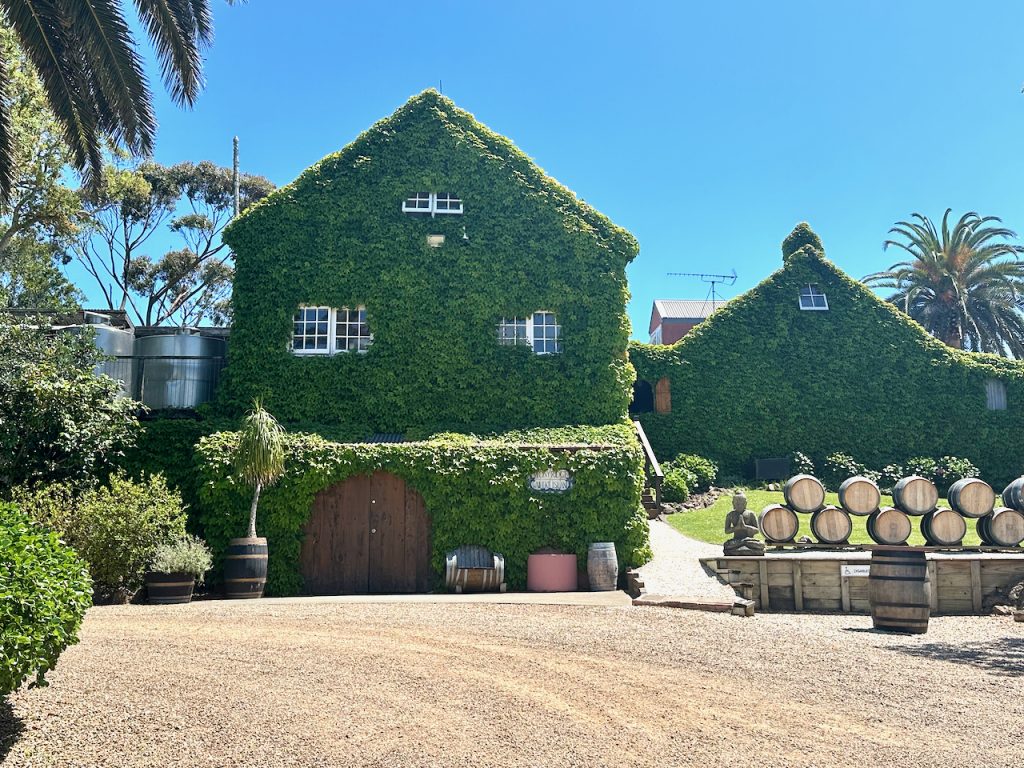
[(652, 472)]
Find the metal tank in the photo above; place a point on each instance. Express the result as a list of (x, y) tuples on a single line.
[(116, 343), (178, 370)]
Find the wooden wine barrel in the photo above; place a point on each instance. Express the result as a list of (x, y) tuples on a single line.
[(779, 524), (1013, 495), (245, 568), (943, 528), (169, 588), (602, 567), (915, 495), (971, 497), (1004, 527), (859, 495), (831, 525), (889, 526), (804, 493), (899, 590)]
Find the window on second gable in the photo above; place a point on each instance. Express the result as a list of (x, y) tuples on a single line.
[(433, 203), (812, 297)]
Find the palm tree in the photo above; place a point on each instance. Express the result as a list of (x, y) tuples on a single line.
[(259, 458), (965, 285), (92, 73)]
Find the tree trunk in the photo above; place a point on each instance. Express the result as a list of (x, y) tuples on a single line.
[(252, 511)]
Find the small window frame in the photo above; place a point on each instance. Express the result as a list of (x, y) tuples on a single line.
[(363, 342), (995, 395), (535, 332), (812, 293), (434, 203)]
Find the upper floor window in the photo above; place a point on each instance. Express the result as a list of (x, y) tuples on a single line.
[(656, 336), (540, 331), (325, 331), (995, 395), (432, 203), (811, 297)]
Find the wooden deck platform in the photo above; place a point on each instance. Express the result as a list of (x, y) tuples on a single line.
[(834, 580)]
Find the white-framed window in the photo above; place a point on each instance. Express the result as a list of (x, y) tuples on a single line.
[(656, 336), (540, 331), (811, 297), (995, 395), (327, 331), (432, 203)]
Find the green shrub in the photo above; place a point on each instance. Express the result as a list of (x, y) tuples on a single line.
[(475, 492), (44, 593), (675, 486), (116, 528), (800, 464), (187, 555), (943, 471), (701, 473), (838, 467)]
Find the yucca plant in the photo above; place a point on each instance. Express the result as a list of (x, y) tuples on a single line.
[(259, 458)]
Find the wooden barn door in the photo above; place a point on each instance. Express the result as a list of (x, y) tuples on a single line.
[(369, 534)]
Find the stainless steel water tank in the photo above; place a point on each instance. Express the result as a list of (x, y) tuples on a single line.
[(119, 344), (178, 370)]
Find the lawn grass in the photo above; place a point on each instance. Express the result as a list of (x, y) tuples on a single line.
[(708, 524)]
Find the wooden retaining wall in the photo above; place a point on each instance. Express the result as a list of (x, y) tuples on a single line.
[(835, 583)]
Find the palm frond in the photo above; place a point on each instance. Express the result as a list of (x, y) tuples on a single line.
[(179, 35)]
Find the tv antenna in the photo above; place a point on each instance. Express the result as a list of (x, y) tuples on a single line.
[(713, 294)]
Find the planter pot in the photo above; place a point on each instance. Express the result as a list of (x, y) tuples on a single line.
[(1018, 616), (169, 588), (245, 568), (551, 573)]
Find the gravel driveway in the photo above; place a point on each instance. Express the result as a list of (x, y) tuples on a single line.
[(301, 683)]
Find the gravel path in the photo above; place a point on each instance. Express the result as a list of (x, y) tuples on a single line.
[(676, 569), (306, 684)]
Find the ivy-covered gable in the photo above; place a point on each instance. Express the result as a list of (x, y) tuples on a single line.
[(763, 377), (523, 244)]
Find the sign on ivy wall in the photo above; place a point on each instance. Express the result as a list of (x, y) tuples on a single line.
[(551, 481)]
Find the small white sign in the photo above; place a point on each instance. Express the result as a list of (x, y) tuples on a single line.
[(855, 570), (551, 481)]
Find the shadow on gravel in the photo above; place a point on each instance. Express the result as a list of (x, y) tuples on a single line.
[(10, 728), (1004, 657)]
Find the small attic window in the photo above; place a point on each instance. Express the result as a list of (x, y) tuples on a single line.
[(812, 298), (995, 395), (432, 203)]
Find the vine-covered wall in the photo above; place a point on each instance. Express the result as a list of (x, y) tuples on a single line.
[(761, 378), (475, 493), (337, 237)]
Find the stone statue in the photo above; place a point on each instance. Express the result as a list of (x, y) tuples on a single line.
[(742, 524)]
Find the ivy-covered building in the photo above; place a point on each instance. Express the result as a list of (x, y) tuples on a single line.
[(427, 277), (811, 360)]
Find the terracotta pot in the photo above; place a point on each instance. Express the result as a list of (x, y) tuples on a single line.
[(551, 573)]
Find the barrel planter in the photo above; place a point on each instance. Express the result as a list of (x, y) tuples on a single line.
[(778, 523), (859, 495), (169, 588), (1004, 527), (899, 590), (245, 568), (831, 525), (804, 493), (971, 497), (602, 567), (943, 528), (1013, 495), (915, 495), (889, 526), (551, 572)]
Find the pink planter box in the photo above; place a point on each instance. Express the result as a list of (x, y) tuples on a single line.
[(551, 573)]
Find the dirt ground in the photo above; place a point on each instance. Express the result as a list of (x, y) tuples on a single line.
[(305, 683)]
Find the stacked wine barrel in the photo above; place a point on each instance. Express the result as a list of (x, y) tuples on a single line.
[(913, 496)]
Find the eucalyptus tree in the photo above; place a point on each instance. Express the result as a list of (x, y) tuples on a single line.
[(964, 284), (92, 73)]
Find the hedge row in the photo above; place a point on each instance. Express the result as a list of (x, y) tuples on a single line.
[(763, 378), (475, 493), (44, 593)]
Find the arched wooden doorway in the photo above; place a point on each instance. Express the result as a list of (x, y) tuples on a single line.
[(368, 534)]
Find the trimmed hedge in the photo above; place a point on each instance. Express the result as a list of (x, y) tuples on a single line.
[(337, 237), (763, 378), (475, 493), (44, 593)]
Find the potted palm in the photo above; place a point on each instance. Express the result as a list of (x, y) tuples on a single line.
[(259, 462), (174, 570)]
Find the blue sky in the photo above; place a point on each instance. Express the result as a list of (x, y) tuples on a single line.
[(706, 130)]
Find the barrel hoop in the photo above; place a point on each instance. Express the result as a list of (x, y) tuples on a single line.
[(170, 584), (246, 557), (901, 605), (256, 578)]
